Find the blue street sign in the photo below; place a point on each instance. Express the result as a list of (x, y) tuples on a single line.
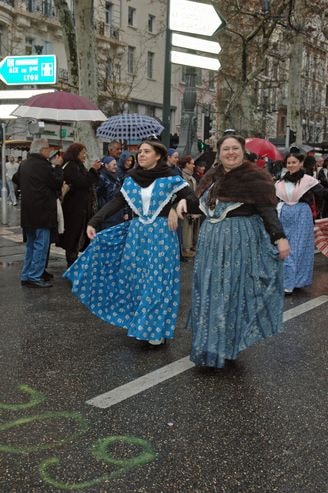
[(25, 70)]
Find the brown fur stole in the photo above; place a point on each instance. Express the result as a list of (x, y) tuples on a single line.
[(246, 183)]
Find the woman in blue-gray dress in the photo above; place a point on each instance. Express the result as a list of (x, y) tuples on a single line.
[(296, 191), (129, 275), (237, 296)]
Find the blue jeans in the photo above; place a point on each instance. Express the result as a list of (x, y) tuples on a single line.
[(37, 244)]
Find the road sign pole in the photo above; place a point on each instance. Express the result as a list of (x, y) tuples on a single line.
[(167, 84), (4, 193)]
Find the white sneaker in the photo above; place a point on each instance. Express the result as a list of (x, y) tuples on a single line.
[(157, 342)]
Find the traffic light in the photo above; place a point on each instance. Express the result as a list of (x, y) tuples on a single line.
[(292, 136), (202, 147), (207, 127)]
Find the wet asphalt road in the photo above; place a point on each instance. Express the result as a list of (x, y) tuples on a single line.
[(257, 426)]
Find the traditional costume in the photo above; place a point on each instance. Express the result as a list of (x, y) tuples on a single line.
[(296, 193), (129, 275), (237, 296)]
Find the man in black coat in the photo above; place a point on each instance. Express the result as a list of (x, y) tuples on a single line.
[(39, 183)]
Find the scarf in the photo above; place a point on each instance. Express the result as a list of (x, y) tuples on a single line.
[(299, 188), (293, 177), (145, 177), (246, 183)]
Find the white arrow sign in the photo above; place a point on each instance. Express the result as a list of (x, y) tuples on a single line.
[(193, 17), (181, 58), (196, 44)]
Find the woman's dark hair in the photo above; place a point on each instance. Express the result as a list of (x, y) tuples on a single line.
[(298, 156), (239, 138), (251, 156), (325, 163), (72, 152), (158, 147), (309, 162), (184, 160)]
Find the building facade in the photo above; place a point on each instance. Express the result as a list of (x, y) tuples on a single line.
[(130, 55)]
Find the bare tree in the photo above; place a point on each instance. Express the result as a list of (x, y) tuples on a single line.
[(80, 46), (245, 42)]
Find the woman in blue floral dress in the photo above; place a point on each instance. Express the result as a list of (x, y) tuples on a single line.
[(129, 274), (237, 296)]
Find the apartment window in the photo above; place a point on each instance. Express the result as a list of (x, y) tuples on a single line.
[(47, 8), (109, 69), (150, 65), (131, 59), (131, 16), (211, 80), (118, 72), (133, 107), (198, 73), (47, 48), (150, 110), (29, 46), (30, 5), (109, 13), (151, 21)]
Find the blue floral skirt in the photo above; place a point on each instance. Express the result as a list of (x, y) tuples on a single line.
[(237, 296), (129, 276)]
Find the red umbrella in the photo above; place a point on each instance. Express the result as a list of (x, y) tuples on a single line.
[(263, 148), (60, 106)]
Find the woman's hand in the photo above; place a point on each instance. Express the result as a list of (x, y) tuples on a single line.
[(172, 220), (96, 165), (91, 232), (283, 248), (57, 161), (182, 208)]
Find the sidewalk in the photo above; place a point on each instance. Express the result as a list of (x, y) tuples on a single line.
[(11, 240)]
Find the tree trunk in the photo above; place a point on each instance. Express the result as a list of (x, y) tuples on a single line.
[(294, 119), (65, 18), (87, 68)]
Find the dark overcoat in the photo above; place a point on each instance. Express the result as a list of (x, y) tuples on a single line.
[(40, 184), (77, 205)]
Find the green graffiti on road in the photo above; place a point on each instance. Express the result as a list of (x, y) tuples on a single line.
[(100, 452), (35, 399), (54, 415), (47, 478)]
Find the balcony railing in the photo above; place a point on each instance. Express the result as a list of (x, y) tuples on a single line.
[(8, 2), (108, 30), (43, 7)]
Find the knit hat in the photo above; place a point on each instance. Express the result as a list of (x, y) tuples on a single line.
[(108, 159), (171, 151)]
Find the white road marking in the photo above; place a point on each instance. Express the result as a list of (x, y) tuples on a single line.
[(153, 378), (140, 384), (305, 307)]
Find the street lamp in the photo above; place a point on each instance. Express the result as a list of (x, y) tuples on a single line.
[(4, 193)]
